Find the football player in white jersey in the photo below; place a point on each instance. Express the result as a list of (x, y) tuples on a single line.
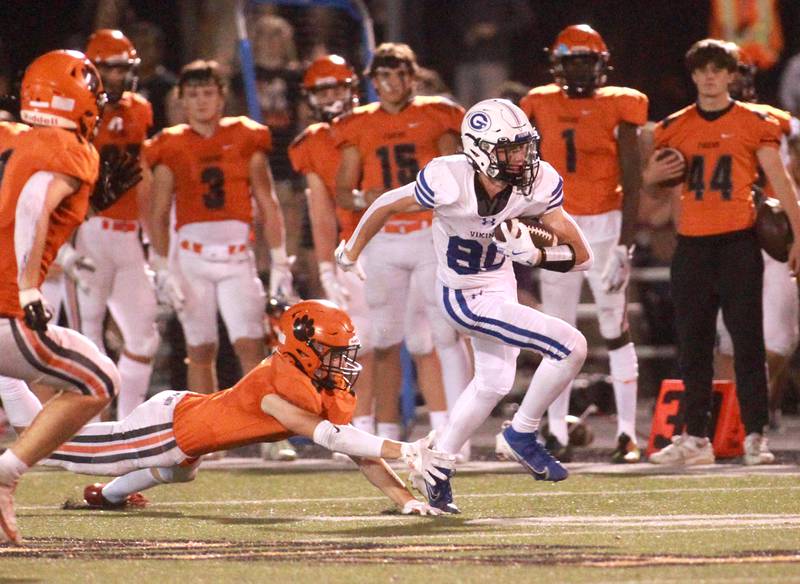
[(498, 177)]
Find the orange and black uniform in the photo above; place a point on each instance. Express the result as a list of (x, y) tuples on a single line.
[(717, 262)]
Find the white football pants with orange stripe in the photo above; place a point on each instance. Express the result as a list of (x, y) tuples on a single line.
[(60, 358), (144, 439)]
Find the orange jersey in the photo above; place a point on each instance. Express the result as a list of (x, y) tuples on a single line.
[(212, 175), (124, 127), (49, 150), (578, 139), (314, 151), (8, 131), (784, 118), (233, 417), (722, 163), (394, 147)]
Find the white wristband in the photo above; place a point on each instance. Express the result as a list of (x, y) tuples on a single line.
[(157, 262), (359, 201), (277, 255), (347, 439), (326, 268), (29, 296)]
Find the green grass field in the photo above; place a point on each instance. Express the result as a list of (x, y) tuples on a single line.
[(257, 526)]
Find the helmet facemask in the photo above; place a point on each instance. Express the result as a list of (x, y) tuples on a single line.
[(580, 74), (338, 367), (129, 81), (743, 87), (326, 112)]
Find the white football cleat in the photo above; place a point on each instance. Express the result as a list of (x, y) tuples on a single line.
[(501, 448), (685, 450), (756, 450)]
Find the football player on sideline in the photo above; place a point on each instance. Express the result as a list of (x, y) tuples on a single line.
[(717, 262), (330, 87), (590, 136), (213, 167), (110, 239), (305, 388), (501, 177), (383, 145), (46, 190)]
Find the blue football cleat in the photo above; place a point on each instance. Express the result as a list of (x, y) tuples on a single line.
[(440, 495), (533, 456)]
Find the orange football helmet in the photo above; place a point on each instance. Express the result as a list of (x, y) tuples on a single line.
[(62, 89), (326, 73), (579, 59), (111, 48), (322, 340)]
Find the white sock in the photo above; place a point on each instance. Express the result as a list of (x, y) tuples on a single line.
[(11, 468), (365, 423), (438, 420), (551, 379), (455, 370), (19, 402), (470, 411), (138, 480), (390, 430), (134, 383), (625, 374), (557, 415)]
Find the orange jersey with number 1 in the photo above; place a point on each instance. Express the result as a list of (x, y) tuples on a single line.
[(233, 417), (394, 147), (720, 150), (40, 150), (579, 140), (314, 151), (124, 128), (212, 175)]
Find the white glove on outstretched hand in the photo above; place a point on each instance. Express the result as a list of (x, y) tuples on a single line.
[(346, 263), (617, 270), (77, 267), (518, 246), (334, 291), (281, 281), (417, 507), (168, 287), (421, 458)]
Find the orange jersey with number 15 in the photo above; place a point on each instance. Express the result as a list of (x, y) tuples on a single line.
[(123, 128), (720, 150), (314, 151), (40, 150), (212, 175), (233, 417), (394, 147), (579, 140)]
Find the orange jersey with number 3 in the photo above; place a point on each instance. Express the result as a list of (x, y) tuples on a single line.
[(124, 128), (212, 175), (28, 152), (394, 147), (579, 140), (233, 417), (314, 151), (720, 151)]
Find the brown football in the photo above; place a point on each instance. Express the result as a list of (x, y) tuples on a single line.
[(541, 235), (671, 152), (773, 231)]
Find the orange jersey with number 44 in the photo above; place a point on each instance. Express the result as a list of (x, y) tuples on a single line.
[(212, 175)]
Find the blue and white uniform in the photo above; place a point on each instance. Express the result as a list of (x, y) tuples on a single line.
[(477, 289)]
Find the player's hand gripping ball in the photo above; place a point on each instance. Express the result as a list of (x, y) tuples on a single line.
[(541, 235)]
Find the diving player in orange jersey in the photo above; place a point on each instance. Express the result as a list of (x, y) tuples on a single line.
[(383, 145), (717, 262), (47, 179), (305, 388), (590, 136), (214, 168)]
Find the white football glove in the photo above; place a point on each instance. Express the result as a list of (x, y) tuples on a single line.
[(421, 458), (77, 267), (518, 247), (617, 271), (346, 263), (168, 287), (281, 281), (334, 291), (417, 507)]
